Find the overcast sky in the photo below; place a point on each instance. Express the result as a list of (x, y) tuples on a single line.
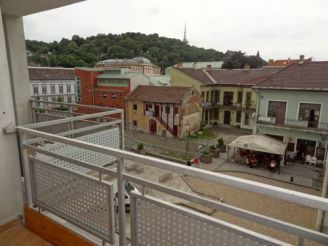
[(277, 28)]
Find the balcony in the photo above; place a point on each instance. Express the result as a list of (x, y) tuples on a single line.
[(74, 163), (292, 124)]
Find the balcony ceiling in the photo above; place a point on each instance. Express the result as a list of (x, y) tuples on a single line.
[(27, 7)]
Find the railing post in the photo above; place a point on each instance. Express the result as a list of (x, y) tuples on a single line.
[(26, 171), (122, 130), (133, 222), (121, 202)]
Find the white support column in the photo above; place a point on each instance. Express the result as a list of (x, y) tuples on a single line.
[(11, 204), (17, 61)]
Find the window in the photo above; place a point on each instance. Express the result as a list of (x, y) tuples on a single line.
[(176, 110), (247, 119), (61, 89), (114, 96), (68, 88), (248, 98), (104, 95), (309, 112), (217, 96), (207, 96), (69, 99), (238, 118), (135, 107), (167, 109), (44, 89), (53, 99), (290, 146), (277, 110), (227, 98), (52, 89), (78, 88), (135, 123), (203, 95), (240, 97), (35, 89)]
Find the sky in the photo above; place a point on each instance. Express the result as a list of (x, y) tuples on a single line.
[(279, 29)]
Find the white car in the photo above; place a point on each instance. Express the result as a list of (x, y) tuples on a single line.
[(128, 188)]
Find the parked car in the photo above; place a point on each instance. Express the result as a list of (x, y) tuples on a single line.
[(128, 188)]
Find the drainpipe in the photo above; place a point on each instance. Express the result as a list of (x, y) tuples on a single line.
[(257, 111)]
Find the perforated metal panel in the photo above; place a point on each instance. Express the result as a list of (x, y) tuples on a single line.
[(160, 223), (108, 138), (78, 199)]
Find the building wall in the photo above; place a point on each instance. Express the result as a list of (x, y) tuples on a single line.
[(294, 98), (142, 120), (14, 109), (220, 108), (53, 97), (86, 84), (186, 116), (179, 78)]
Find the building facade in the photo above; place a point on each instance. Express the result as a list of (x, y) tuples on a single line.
[(293, 107), (228, 97), (107, 88), (137, 64), (167, 111), (52, 84)]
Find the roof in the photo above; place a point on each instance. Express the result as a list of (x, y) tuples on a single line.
[(51, 73), (202, 64), (198, 74), (134, 61), (241, 76), (259, 143), (159, 79), (124, 75), (159, 94), (285, 62), (305, 76), (230, 76)]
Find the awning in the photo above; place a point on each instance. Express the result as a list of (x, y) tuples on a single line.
[(259, 143)]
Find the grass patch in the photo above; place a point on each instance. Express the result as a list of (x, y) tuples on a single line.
[(178, 155), (203, 134)]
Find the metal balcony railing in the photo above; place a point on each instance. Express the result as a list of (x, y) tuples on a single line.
[(74, 172)]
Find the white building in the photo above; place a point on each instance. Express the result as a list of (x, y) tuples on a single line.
[(52, 84)]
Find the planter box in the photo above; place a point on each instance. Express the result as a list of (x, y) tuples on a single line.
[(215, 153), (206, 158)]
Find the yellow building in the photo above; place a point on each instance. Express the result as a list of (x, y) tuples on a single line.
[(172, 111), (227, 94)]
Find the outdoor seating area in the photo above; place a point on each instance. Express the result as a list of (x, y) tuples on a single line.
[(257, 151)]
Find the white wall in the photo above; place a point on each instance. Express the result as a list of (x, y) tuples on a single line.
[(49, 95), (11, 199)]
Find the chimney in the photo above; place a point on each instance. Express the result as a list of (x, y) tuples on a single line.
[(301, 61)]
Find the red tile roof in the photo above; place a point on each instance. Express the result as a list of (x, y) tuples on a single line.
[(306, 76), (284, 63), (51, 73), (159, 94)]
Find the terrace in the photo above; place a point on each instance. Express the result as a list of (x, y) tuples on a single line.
[(74, 163), (69, 166)]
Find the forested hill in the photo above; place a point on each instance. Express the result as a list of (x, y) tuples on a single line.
[(161, 51)]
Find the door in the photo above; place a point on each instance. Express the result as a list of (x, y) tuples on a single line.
[(277, 110), (227, 117), (152, 126)]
